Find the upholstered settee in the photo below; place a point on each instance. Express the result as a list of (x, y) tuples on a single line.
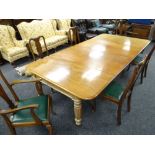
[(46, 28), (11, 48), (64, 24)]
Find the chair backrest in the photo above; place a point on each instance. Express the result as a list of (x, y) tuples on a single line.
[(137, 70), (74, 35), (37, 44), (9, 87), (5, 97), (140, 31), (122, 27), (150, 54)]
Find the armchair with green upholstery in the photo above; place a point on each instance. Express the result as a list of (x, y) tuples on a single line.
[(33, 111), (11, 48)]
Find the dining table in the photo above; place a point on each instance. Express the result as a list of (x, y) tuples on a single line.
[(83, 71)]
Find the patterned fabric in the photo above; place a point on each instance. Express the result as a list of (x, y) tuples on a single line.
[(36, 28), (5, 39), (15, 50), (46, 28), (64, 24), (11, 48)]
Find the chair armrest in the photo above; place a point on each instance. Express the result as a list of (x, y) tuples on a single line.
[(24, 81), (37, 82), (21, 43), (129, 32), (73, 27), (4, 112)]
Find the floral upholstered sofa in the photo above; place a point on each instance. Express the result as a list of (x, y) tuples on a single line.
[(64, 24), (11, 48), (46, 28)]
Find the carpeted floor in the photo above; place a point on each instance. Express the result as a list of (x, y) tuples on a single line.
[(102, 122)]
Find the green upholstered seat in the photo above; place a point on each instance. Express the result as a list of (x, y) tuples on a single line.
[(138, 59), (114, 90), (25, 115)]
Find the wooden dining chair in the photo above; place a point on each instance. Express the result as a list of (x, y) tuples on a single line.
[(140, 58), (116, 93), (34, 111), (73, 35), (37, 48), (139, 31)]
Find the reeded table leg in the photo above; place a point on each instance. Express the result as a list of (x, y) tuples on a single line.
[(77, 111)]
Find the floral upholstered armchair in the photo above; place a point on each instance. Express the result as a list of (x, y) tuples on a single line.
[(11, 48)]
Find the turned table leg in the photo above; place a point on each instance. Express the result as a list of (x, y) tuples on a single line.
[(77, 111)]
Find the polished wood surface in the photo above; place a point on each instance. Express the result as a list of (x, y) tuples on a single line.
[(85, 69)]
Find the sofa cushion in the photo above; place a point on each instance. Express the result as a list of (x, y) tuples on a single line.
[(15, 51), (49, 41), (61, 37)]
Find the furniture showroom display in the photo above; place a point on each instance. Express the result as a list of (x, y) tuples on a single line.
[(83, 71)]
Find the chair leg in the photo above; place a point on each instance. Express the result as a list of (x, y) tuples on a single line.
[(142, 74), (129, 103), (93, 105), (13, 64), (128, 67), (12, 130), (49, 128), (145, 72), (119, 114), (9, 124)]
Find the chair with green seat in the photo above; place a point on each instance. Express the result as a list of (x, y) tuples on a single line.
[(116, 93), (140, 58), (28, 112)]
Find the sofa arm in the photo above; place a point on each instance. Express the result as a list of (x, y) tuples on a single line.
[(20, 43), (1, 48), (61, 32)]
